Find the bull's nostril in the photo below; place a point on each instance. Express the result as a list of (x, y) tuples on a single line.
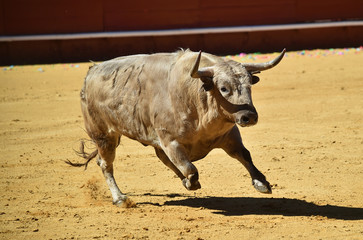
[(245, 119)]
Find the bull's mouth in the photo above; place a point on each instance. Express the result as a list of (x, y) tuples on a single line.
[(242, 124)]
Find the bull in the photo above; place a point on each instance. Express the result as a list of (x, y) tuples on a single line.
[(184, 104)]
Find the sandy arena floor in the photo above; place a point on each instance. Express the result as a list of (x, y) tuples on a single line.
[(308, 142)]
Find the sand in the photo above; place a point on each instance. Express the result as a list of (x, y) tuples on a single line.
[(308, 142)]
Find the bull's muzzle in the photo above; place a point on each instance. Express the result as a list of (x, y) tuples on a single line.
[(246, 118)]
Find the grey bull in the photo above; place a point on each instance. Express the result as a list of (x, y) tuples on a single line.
[(184, 104)]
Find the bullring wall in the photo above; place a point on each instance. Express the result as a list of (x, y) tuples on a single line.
[(19, 18)]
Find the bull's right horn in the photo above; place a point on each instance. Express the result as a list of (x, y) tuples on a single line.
[(257, 67), (203, 72)]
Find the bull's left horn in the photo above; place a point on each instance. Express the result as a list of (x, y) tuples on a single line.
[(203, 72), (257, 67)]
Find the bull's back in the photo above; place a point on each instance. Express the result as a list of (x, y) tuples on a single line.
[(123, 94)]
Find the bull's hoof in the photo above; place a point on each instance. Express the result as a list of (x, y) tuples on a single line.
[(191, 186), (125, 203), (262, 187)]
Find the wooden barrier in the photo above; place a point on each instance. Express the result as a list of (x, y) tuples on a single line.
[(54, 21)]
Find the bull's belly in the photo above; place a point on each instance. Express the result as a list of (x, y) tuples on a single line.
[(148, 137), (194, 153), (145, 139), (143, 131), (139, 132)]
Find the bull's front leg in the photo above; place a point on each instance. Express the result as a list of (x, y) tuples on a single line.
[(234, 147), (175, 157)]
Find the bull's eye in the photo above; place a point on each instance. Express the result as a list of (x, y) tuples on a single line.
[(224, 89)]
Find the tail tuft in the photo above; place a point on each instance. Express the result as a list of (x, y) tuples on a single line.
[(81, 153)]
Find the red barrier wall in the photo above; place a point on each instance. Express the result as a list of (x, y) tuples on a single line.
[(19, 17), (33, 17)]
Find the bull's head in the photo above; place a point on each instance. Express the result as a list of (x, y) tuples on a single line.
[(231, 83)]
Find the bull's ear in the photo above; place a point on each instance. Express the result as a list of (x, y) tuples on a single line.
[(207, 83), (255, 79)]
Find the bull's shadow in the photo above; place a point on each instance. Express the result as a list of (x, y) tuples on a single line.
[(238, 206)]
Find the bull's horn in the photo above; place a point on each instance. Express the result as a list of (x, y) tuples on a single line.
[(257, 67), (203, 72)]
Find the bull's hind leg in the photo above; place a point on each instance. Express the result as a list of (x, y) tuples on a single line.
[(106, 142), (106, 152)]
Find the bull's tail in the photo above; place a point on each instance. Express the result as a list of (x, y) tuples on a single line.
[(83, 154)]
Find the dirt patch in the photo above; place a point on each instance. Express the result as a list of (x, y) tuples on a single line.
[(308, 142)]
